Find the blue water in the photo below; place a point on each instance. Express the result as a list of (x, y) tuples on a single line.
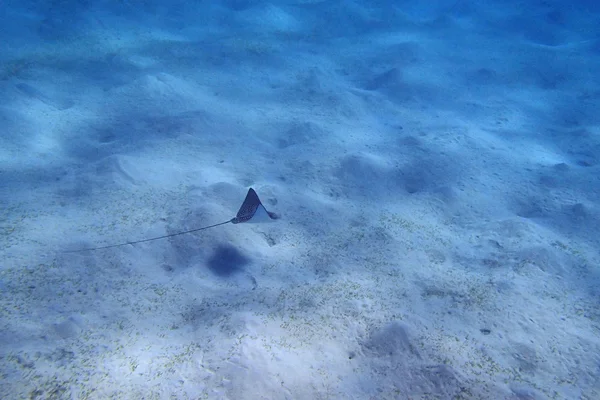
[(435, 167)]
